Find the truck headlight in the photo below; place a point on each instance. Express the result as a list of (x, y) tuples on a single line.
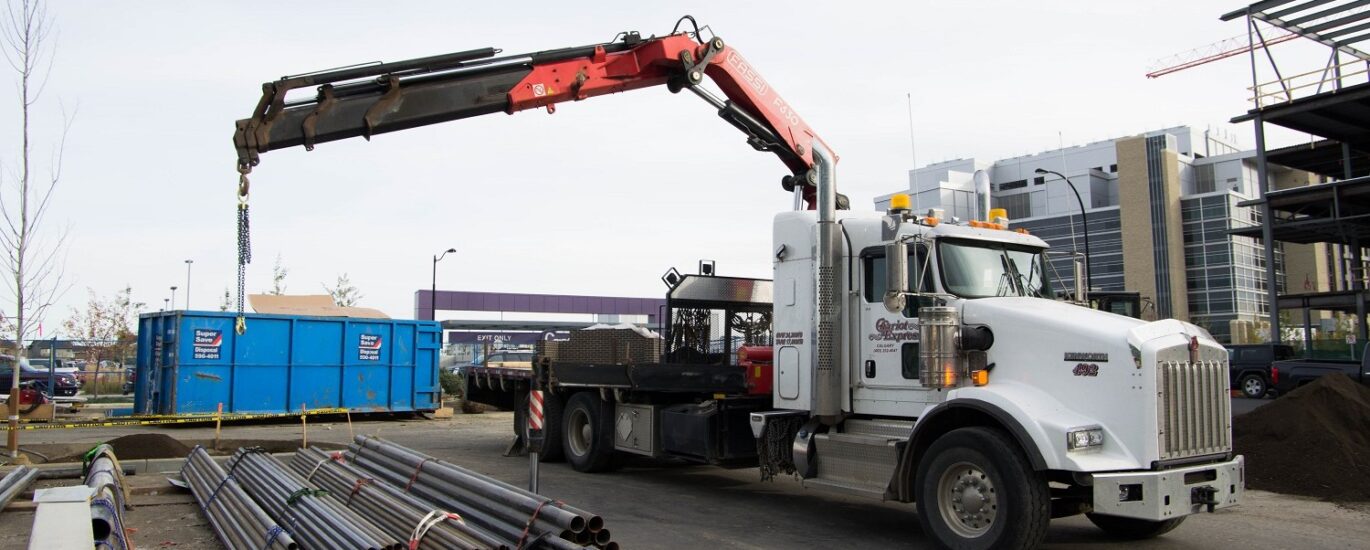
[(1084, 438)]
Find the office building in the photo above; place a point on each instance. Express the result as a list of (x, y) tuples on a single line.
[(1160, 206)]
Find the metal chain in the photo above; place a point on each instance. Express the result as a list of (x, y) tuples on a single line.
[(774, 449), (244, 246)]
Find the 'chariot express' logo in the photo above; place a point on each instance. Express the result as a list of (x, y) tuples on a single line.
[(894, 331)]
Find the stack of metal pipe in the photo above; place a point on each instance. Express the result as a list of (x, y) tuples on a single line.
[(16, 482), (109, 501), (309, 514), (237, 520), (399, 513), (519, 518)]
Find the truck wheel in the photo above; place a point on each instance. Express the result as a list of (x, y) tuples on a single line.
[(551, 425), (587, 439), (975, 489), (1133, 528), (1252, 386)]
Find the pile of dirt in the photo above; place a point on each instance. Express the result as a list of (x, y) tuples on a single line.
[(148, 445), (1314, 441)]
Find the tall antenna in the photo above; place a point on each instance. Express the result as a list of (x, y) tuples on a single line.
[(913, 153), (913, 148)]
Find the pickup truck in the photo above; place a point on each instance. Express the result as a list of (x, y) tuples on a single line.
[(1288, 375), (1249, 367)]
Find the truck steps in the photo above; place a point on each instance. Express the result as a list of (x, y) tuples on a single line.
[(847, 488), (855, 463), (885, 428)]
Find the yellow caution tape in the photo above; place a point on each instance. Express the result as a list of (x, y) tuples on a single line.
[(152, 420), (227, 416)]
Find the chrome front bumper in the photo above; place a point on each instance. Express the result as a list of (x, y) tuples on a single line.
[(1172, 493)]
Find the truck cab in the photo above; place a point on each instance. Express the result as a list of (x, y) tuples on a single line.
[(949, 374)]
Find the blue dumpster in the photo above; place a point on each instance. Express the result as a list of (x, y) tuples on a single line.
[(191, 361)]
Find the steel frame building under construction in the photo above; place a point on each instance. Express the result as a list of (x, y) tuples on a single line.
[(1331, 104)]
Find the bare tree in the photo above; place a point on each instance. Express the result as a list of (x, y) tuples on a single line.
[(278, 273), (344, 293), (32, 259)]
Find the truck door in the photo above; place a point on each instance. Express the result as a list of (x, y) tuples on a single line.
[(886, 373)]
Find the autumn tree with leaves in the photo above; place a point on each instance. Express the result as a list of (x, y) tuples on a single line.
[(109, 326)]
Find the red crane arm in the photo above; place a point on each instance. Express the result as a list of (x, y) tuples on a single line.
[(673, 60), (373, 99)]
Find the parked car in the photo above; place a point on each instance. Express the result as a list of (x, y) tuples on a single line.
[(62, 367), (500, 359), (1249, 367), (1293, 373), (511, 359), (66, 383)]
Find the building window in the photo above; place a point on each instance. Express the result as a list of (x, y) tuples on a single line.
[(1203, 179), (1018, 206), (1039, 180), (1013, 185)]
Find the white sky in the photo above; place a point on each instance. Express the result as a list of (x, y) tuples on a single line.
[(598, 199)]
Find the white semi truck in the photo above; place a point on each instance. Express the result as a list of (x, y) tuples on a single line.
[(897, 356), (977, 395)]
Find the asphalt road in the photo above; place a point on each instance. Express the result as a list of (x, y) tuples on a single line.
[(1242, 405), (664, 504)]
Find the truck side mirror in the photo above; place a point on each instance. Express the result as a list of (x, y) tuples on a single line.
[(896, 275)]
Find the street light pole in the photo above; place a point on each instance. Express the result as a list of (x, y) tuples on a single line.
[(1084, 220), (173, 297), (188, 264), (433, 293)]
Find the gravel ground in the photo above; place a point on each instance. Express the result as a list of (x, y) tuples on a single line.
[(660, 504)]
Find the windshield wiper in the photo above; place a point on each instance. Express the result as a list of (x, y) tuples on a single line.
[(1009, 278), (1005, 284), (1027, 281)]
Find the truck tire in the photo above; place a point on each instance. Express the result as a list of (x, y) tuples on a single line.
[(1133, 528), (976, 490), (587, 438), (551, 425), (1253, 386)]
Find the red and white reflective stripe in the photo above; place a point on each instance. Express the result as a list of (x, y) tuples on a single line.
[(535, 410)]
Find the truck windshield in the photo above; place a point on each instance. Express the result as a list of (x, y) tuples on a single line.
[(973, 269)]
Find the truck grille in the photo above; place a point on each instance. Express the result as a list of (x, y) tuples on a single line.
[(1194, 408)]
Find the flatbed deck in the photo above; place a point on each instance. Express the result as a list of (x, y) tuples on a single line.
[(503, 386)]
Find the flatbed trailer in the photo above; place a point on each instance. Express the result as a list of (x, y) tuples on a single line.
[(694, 403), (498, 386), (503, 387)]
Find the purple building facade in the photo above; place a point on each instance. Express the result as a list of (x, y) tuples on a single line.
[(458, 300)]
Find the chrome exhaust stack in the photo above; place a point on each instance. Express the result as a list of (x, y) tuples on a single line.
[(826, 392)]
